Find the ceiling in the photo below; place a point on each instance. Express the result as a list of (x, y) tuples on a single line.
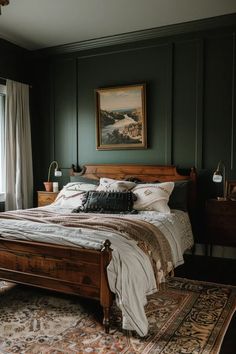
[(36, 24)]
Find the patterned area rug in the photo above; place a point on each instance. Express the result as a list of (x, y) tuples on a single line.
[(186, 317)]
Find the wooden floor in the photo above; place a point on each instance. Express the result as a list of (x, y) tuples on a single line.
[(218, 270)]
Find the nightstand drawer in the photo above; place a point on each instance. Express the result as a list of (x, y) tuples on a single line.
[(46, 198), (221, 222), (216, 207), (222, 234)]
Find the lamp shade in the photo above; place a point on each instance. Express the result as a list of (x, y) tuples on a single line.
[(219, 177), (57, 173)]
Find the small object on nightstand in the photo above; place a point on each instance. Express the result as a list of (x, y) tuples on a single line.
[(221, 223), (55, 186), (46, 198)]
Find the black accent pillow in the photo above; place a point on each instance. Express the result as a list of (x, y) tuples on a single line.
[(107, 202), (179, 196)]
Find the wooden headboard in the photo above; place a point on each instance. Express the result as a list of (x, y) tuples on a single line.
[(145, 173)]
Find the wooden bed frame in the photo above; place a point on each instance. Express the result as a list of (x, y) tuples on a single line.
[(72, 270)]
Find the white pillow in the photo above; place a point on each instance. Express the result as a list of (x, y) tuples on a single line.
[(114, 185), (72, 194), (80, 186), (69, 199), (153, 196)]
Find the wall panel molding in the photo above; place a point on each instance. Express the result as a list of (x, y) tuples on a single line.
[(158, 32), (218, 100), (77, 113), (233, 121), (190, 100), (169, 109), (134, 47), (199, 104), (64, 117)]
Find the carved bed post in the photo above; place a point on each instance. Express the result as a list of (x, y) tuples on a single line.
[(106, 297)]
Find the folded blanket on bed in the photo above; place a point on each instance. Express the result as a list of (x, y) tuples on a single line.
[(135, 243)]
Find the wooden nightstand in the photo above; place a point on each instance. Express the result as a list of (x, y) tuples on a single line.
[(221, 223), (46, 198)]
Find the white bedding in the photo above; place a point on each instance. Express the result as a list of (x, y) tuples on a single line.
[(175, 226), (130, 272)]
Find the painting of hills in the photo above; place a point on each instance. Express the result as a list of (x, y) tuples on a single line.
[(121, 117)]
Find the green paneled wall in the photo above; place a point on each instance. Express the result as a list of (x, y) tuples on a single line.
[(184, 102), (149, 66), (190, 82), (219, 106), (64, 111)]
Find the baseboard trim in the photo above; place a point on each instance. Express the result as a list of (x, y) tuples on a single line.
[(217, 251)]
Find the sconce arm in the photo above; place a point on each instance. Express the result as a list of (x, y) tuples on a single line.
[(49, 169)]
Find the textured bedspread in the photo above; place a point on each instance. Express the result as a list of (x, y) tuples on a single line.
[(141, 251)]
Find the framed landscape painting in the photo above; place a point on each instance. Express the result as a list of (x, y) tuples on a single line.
[(121, 117)]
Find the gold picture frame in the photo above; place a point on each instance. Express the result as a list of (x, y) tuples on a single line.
[(121, 117)]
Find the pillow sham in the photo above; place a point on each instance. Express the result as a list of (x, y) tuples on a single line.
[(179, 196), (114, 185), (80, 186), (107, 202), (72, 194), (153, 196), (69, 198)]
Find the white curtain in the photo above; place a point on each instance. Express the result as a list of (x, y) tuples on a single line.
[(2, 144), (18, 151)]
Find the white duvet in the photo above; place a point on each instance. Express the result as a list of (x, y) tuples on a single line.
[(130, 273)]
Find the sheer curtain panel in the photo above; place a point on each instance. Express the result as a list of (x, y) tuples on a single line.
[(18, 151), (2, 146)]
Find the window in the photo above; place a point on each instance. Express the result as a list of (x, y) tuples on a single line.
[(2, 139)]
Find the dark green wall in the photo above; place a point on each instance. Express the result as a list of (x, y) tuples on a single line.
[(190, 81), (13, 62), (150, 66)]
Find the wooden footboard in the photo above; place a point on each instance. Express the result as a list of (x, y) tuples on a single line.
[(60, 268)]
